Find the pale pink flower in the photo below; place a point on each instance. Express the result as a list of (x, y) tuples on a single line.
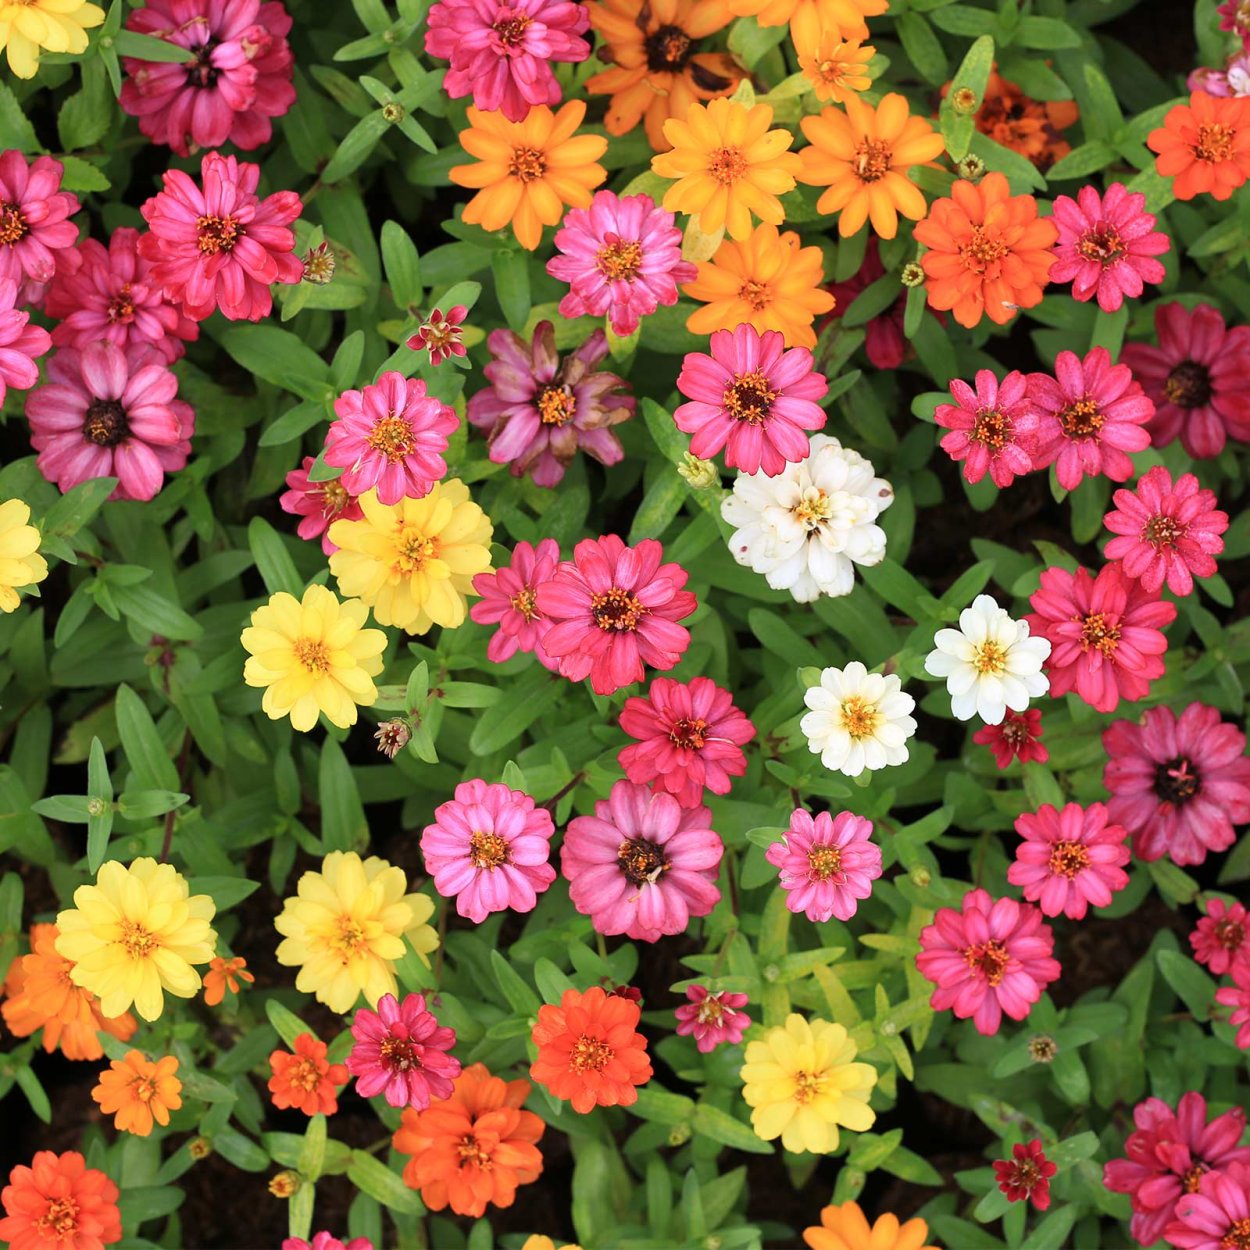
[(509, 600), (36, 236), (712, 1019), (318, 504), (401, 1052), (1221, 936), (827, 864), (20, 343), (993, 428)]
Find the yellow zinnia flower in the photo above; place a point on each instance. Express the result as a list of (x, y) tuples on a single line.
[(413, 562), (807, 18), (26, 26), (346, 927), (540, 1241), (139, 1092), (728, 165), (20, 561), (135, 934), (313, 656), (845, 1227), (836, 70), (802, 1083)]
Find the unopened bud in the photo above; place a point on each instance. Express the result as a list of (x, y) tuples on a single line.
[(392, 736), (912, 274), (393, 112), (920, 877), (285, 1184), (971, 168), (1043, 1048), (199, 1147), (319, 265), (699, 474), (96, 807), (964, 100), (679, 1135)]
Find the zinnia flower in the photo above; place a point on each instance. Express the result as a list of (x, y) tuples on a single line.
[(836, 69), (1026, 1175), (21, 342), (225, 974), (845, 1227), (1017, 737), (318, 504), (1237, 996), (440, 335), (139, 1092), (21, 565), (306, 1079), (1033, 128), (807, 17), (59, 1203), (509, 600), (1217, 1216), (827, 864), (326, 1241), (29, 26), (1235, 18), (36, 236), (857, 720), (1204, 146), (885, 345), (1221, 936), (993, 428), (401, 1053), (712, 1019)]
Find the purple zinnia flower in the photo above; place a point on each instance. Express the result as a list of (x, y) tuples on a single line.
[(401, 1052)]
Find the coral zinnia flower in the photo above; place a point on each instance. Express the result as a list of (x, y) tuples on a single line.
[(993, 428), (712, 1019), (473, 1148), (306, 1080), (27, 26), (836, 70), (807, 18), (1026, 1175), (509, 600), (588, 1052), (401, 1052), (989, 252), (1217, 1216), (21, 565), (36, 236), (826, 864), (846, 1227), (139, 1092), (1221, 936), (59, 1203), (1018, 737), (526, 172), (318, 504), (225, 974), (1204, 146), (1033, 128)]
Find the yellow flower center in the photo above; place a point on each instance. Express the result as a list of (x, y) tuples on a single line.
[(990, 429), (136, 940), (859, 717), (1082, 418), (834, 73), (990, 959), (823, 862), (143, 1088), (1192, 1180), (524, 602), (556, 406), (1067, 859), (121, 307), (348, 940), (872, 160), (1162, 531), (757, 295), (1096, 632), (749, 398), (217, 234), (334, 497), (641, 861), (312, 654), (813, 508), (397, 1053), (989, 658), (487, 850), (1215, 142), (690, 734), (304, 1074), (617, 609), (472, 1153), (619, 260), (590, 1054), (726, 165), (807, 1085), (412, 550), (13, 227), (59, 1220), (711, 1009), (527, 164), (982, 250), (392, 437)]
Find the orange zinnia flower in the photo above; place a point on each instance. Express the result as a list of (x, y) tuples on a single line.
[(306, 1079), (807, 18), (837, 70), (139, 1092), (222, 973), (61, 1204), (1204, 146), (845, 1227), (989, 252), (862, 155), (588, 1052), (1032, 128), (770, 282), (473, 1149), (526, 172), (40, 995), (657, 69)]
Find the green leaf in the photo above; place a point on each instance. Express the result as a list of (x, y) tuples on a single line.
[(34, 1091), (1052, 1232), (99, 805), (377, 1180), (287, 1024), (515, 713), (313, 1153), (972, 75), (279, 357), (145, 752), (402, 265), (77, 506), (512, 285), (15, 128), (149, 48), (659, 1106), (520, 997), (922, 47), (343, 824), (357, 146), (1046, 32), (152, 611), (710, 1121), (277, 569), (1192, 985), (239, 1150)]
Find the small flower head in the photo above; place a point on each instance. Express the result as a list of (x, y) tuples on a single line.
[(326, 1241), (392, 736), (317, 504), (305, 1079), (846, 1227), (440, 334), (138, 1092), (21, 565), (1018, 736), (1025, 1177), (698, 474), (225, 974), (319, 264), (1221, 936), (509, 600), (1043, 1048), (285, 1184), (993, 428), (1237, 996), (1217, 1215), (1235, 18), (858, 720), (58, 1202), (36, 236), (401, 1053), (1204, 146), (827, 864), (836, 69), (712, 1019)]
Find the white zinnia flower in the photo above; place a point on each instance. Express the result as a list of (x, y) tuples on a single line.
[(990, 663), (859, 720), (808, 527)]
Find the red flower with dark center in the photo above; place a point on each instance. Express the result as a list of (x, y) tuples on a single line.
[(1026, 1175)]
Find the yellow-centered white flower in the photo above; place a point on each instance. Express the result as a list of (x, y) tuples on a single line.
[(858, 720)]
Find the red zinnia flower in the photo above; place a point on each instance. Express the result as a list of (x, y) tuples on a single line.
[(509, 601), (440, 336), (306, 1079), (36, 236), (59, 1203), (1026, 1175), (1018, 737), (993, 428), (1221, 936), (320, 504)]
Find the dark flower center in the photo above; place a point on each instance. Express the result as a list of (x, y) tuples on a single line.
[(527, 164), (990, 959), (641, 861), (1188, 385), (13, 227), (1025, 1173), (1238, 1235), (397, 1053), (872, 160), (1099, 633), (121, 307), (668, 48), (217, 234), (1230, 934), (105, 424), (511, 30), (617, 609), (1067, 859), (691, 734), (991, 429), (1101, 244), (1163, 531), (201, 72), (1082, 418), (472, 1153), (619, 260), (1177, 780), (556, 406), (749, 398)]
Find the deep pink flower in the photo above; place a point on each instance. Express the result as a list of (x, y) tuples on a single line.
[(1217, 1217), (401, 1052), (827, 864), (1177, 785), (239, 79), (613, 610), (20, 343), (1237, 996), (221, 246), (488, 849), (993, 428), (326, 1241), (690, 736), (502, 52), (105, 412), (885, 345), (1026, 1175), (440, 335), (712, 1019), (752, 397), (1235, 17), (1198, 377), (642, 865), (622, 259), (991, 957), (1106, 634), (1018, 737), (509, 600), (320, 504), (1091, 413), (36, 236), (1107, 245), (1221, 935)]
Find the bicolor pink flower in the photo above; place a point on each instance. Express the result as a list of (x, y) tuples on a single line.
[(502, 51), (1106, 634), (20, 342), (826, 864), (1217, 1217), (712, 1019), (1026, 1175), (390, 437), (401, 1053), (753, 397), (326, 1241), (238, 80), (220, 245), (440, 335), (111, 295), (885, 344), (1018, 737), (36, 236), (1178, 785), (1166, 533), (509, 600), (642, 865), (1221, 936), (1237, 996), (690, 737), (105, 412), (989, 958), (993, 428), (622, 259), (1069, 860), (320, 504), (1091, 413), (1198, 377), (488, 849), (1107, 245)]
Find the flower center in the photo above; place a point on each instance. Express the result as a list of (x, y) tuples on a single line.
[(472, 1153), (982, 250), (60, 1219), (348, 938), (749, 398), (1177, 781), (201, 72), (1101, 244), (1099, 633), (711, 1010), (1067, 859), (440, 334), (691, 734), (617, 609), (758, 295), (392, 438), (1082, 418), (989, 659), (524, 602), (413, 550), (619, 260), (13, 227), (1026, 1173), (813, 507), (397, 1053), (1192, 1180), (487, 850), (726, 166), (334, 497), (1188, 385), (312, 654), (823, 862), (137, 942), (106, 423), (1230, 934), (556, 406), (990, 959), (859, 717), (1163, 531), (121, 307), (1238, 1235), (641, 861), (304, 1074), (1043, 1048), (835, 73), (511, 30), (991, 429), (668, 48), (872, 160), (143, 1088), (1015, 731), (527, 164), (807, 1086), (590, 1054), (217, 234), (1215, 144)]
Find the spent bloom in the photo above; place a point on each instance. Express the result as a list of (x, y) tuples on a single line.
[(1217, 1216), (139, 1092), (712, 1019), (440, 334), (401, 1052), (1018, 736), (36, 236), (305, 1079), (858, 720), (1204, 146), (993, 427), (846, 1227), (21, 565), (58, 1202), (509, 600), (1026, 1176), (827, 864), (317, 504), (1221, 936)]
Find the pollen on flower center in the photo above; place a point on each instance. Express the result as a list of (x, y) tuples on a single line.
[(13, 227), (619, 260), (472, 1153), (121, 309), (414, 549), (1025, 1173), (392, 437), (823, 862), (813, 507), (487, 850), (217, 234), (334, 497), (1099, 633), (1016, 732), (397, 1053), (1102, 244), (807, 1085), (1067, 859), (617, 609), (989, 659), (590, 1054), (1177, 781), (726, 165), (527, 164), (835, 73), (872, 160), (859, 717), (749, 398), (312, 654), (1188, 385), (136, 940), (1163, 531), (1230, 934), (757, 295), (511, 30), (525, 602), (105, 423), (691, 734), (1192, 1180), (556, 406), (991, 429), (641, 861), (1214, 142), (348, 939), (143, 1088), (668, 48), (303, 1074), (1082, 418), (990, 959), (982, 250), (61, 1218)]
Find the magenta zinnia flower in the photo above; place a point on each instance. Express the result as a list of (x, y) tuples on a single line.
[(690, 737), (440, 335), (1237, 996), (320, 504), (1018, 737), (1026, 1175), (827, 864), (239, 78), (488, 849), (105, 412), (1235, 17), (642, 865), (1177, 785), (992, 957), (622, 258), (36, 236), (20, 343), (401, 1052), (509, 600), (221, 246), (712, 1019), (613, 610), (993, 428), (327, 1241), (539, 410), (1217, 1217), (1221, 936)]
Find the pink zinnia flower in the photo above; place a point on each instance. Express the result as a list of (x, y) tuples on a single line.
[(1221, 935), (401, 1052), (1177, 785), (1091, 413), (509, 600), (1168, 1154), (827, 864), (622, 258), (1217, 1217), (1198, 377), (752, 397), (105, 412), (1166, 533), (502, 53), (993, 428), (326, 1241), (320, 504), (712, 1019), (36, 236), (642, 865), (991, 957), (1107, 245), (390, 437), (20, 343), (440, 335), (488, 849), (1026, 1175), (1069, 860), (1105, 632), (885, 345), (1235, 17), (1237, 996), (239, 79), (613, 610), (221, 246), (1018, 737), (690, 736)]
